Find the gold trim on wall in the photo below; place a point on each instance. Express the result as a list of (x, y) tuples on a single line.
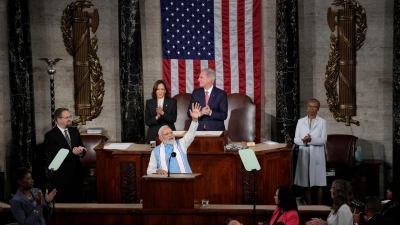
[(341, 66), (88, 72)]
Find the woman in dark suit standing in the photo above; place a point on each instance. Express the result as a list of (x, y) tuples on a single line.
[(160, 110)]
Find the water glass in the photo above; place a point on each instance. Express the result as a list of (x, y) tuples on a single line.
[(204, 203)]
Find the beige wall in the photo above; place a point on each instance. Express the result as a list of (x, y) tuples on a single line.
[(374, 70)]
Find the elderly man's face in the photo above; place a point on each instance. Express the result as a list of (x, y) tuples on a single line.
[(167, 136), (204, 80)]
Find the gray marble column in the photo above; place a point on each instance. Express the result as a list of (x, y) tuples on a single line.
[(396, 91), (287, 70), (21, 84), (131, 73)]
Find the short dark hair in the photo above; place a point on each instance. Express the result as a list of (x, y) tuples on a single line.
[(314, 100), (21, 173), (155, 86), (373, 204), (394, 187), (58, 112), (287, 201)]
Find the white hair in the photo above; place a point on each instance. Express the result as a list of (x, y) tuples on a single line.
[(161, 129), (210, 73)]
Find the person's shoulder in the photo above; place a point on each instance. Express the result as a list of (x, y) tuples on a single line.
[(345, 208), (17, 196), (50, 132), (218, 90), (322, 119), (302, 119), (170, 100)]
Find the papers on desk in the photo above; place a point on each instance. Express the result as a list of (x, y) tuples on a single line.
[(117, 146), (271, 142), (178, 132), (209, 133)]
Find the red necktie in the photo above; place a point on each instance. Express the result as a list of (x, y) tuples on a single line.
[(207, 97)]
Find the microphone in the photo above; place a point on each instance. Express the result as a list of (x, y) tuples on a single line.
[(173, 154)]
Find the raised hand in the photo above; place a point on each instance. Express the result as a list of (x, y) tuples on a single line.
[(49, 197), (195, 111)]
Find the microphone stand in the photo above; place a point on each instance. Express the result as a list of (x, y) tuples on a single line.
[(173, 154), (49, 186)]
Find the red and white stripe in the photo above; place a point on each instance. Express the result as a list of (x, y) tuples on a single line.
[(237, 30)]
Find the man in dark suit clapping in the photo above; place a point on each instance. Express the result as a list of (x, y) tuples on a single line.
[(68, 179), (213, 102)]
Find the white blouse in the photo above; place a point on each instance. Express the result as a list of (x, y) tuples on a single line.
[(342, 217)]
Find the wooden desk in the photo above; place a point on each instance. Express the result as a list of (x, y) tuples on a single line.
[(203, 143), (161, 192), (132, 214), (224, 179)]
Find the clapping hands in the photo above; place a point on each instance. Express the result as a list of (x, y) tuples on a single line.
[(49, 197), (78, 150)]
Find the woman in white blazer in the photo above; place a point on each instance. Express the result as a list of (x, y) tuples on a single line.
[(311, 135)]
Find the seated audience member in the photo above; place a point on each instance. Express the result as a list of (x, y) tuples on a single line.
[(392, 208), (342, 194), (161, 154), (28, 205), (160, 110), (286, 209), (232, 222), (373, 216)]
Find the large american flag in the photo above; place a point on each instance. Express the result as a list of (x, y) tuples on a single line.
[(224, 35)]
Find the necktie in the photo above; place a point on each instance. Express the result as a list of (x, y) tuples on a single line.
[(67, 138), (207, 97)]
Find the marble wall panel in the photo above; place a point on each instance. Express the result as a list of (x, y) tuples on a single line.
[(5, 117)]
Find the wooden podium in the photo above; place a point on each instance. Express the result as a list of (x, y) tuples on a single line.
[(175, 192)]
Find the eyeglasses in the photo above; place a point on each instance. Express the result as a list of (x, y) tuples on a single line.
[(67, 117)]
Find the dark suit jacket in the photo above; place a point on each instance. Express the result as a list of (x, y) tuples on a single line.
[(22, 209), (169, 117), (217, 102), (54, 140), (378, 219)]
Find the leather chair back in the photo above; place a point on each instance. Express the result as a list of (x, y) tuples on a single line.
[(340, 150), (182, 120), (89, 165), (241, 121), (90, 141)]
